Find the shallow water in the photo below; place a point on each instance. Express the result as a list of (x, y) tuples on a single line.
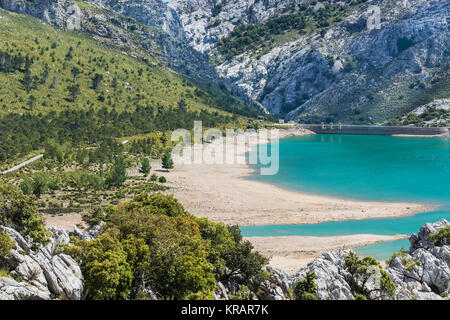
[(364, 167)]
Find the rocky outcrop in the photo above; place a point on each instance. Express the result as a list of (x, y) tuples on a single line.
[(64, 13), (276, 287), (153, 13), (40, 274), (440, 118), (423, 274), (332, 278)]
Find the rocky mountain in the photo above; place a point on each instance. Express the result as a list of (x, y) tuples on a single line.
[(154, 13), (201, 18), (436, 113), (354, 61)]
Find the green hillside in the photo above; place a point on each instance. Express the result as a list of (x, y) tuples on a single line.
[(68, 87), (71, 70)]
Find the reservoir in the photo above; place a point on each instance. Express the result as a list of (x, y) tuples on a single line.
[(364, 167)]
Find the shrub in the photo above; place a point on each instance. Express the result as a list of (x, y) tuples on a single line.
[(94, 216), (103, 262), (27, 186), (145, 167), (167, 162), (20, 211), (202, 295), (306, 289), (442, 237), (4, 274), (242, 261), (162, 179), (6, 244), (366, 272), (242, 294), (117, 174)]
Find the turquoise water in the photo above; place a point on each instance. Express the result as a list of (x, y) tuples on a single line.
[(384, 250), (363, 167)]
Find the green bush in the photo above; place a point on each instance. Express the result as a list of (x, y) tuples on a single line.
[(306, 289), (244, 293), (153, 240), (442, 237), (162, 179), (20, 211), (94, 216), (6, 244), (363, 269)]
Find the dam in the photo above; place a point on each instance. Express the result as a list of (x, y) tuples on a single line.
[(330, 128)]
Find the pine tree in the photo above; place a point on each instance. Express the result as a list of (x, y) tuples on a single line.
[(118, 173), (167, 162), (145, 167)]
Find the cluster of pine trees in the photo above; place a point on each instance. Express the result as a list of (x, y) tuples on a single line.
[(91, 126)]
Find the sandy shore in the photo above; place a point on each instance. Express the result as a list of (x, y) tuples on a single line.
[(221, 193), (64, 221), (294, 252)]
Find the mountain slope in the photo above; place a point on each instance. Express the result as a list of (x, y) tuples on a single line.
[(69, 87), (69, 70), (146, 25), (316, 61)]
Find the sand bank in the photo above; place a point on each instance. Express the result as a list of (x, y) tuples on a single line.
[(221, 193)]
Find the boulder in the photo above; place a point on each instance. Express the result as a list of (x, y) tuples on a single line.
[(42, 273)]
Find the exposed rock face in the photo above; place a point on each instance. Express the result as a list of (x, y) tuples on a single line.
[(422, 274), (200, 17), (332, 278), (154, 13), (438, 104), (42, 274), (277, 287), (368, 66), (63, 13)]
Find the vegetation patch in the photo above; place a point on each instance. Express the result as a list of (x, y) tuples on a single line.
[(302, 21), (442, 237)]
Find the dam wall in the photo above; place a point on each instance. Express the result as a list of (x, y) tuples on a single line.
[(375, 130)]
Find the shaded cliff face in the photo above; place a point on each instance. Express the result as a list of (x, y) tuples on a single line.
[(350, 69), (133, 25), (154, 13)]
